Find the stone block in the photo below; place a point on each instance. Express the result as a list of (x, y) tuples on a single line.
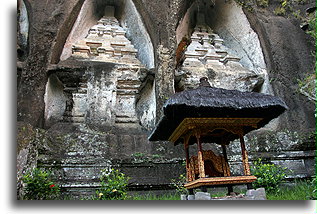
[(190, 197), (202, 196), (183, 197), (256, 194)]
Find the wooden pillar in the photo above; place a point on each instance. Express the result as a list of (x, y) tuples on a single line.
[(201, 163), (226, 171), (186, 148), (245, 159)]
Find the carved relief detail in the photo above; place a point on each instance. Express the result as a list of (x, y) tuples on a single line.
[(206, 55), (106, 42), (216, 166)]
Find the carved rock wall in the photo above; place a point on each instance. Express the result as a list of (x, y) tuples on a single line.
[(288, 61), (98, 113)]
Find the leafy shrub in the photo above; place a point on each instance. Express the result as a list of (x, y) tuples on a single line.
[(39, 186), (314, 192), (113, 185), (268, 176), (179, 184)]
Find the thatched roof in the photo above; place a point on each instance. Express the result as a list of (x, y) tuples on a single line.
[(209, 102)]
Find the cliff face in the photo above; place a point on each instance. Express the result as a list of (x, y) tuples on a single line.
[(290, 59), (98, 88)]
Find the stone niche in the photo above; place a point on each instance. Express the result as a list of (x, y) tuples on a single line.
[(22, 30), (216, 46), (102, 79), (97, 17)]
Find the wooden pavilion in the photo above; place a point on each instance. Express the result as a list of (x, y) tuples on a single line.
[(214, 115)]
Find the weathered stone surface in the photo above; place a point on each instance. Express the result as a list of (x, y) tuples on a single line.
[(76, 154), (202, 196), (163, 74), (22, 30), (288, 60), (191, 197), (29, 140), (256, 194), (183, 197), (230, 41), (137, 32), (106, 95), (76, 95)]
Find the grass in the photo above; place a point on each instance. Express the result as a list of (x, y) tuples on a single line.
[(302, 190), (169, 197)]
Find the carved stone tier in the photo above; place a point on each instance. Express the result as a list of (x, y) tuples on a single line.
[(102, 95), (106, 94), (106, 42), (75, 89), (127, 90), (205, 45), (207, 55)]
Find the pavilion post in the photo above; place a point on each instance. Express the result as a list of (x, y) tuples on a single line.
[(226, 171), (245, 159), (201, 164), (186, 148)]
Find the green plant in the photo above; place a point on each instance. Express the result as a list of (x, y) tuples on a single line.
[(307, 85), (113, 185), (299, 190), (297, 15), (179, 184), (280, 11), (311, 20), (138, 155), (262, 3), (301, 1), (39, 186), (314, 191), (247, 4), (285, 5), (156, 156), (268, 176)]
